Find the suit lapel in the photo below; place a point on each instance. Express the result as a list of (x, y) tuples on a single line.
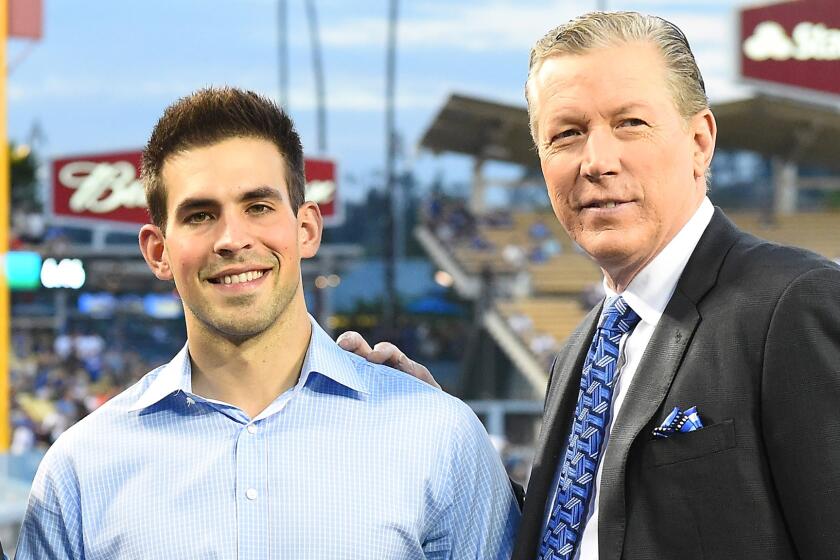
[(657, 368), (561, 398), (653, 378)]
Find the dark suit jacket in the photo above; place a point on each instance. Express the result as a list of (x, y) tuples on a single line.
[(751, 337)]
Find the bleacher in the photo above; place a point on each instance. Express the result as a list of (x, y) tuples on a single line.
[(566, 273), (555, 316), (816, 231), (554, 303)]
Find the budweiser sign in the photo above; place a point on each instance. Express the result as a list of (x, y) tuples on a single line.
[(793, 44), (99, 187), (107, 187)]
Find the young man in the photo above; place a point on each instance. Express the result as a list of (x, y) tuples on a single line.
[(261, 438)]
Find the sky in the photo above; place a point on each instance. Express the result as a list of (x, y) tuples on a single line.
[(104, 71)]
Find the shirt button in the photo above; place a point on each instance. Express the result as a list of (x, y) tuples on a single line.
[(251, 494), (251, 429)]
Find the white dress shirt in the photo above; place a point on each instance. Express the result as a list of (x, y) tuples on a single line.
[(647, 295)]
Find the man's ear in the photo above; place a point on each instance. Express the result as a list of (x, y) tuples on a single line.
[(154, 251), (310, 226), (705, 132)]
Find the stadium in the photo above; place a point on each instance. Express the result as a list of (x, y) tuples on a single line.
[(475, 279)]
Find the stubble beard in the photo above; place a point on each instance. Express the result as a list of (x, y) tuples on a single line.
[(243, 317)]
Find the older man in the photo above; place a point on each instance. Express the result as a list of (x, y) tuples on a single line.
[(694, 413)]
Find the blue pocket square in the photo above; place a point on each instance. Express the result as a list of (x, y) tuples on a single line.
[(679, 421)]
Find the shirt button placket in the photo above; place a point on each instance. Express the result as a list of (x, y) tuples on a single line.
[(251, 502)]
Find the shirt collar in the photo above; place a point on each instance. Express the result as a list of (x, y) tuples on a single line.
[(651, 290), (326, 358), (323, 357), (171, 378)]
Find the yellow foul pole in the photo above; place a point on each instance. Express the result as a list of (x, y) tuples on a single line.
[(5, 201)]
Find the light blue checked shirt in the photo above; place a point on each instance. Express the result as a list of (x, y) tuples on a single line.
[(355, 461)]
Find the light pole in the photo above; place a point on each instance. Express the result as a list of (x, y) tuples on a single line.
[(283, 53), (390, 307), (318, 71), (5, 311)]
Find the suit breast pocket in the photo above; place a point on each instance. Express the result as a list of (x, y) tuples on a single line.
[(692, 445)]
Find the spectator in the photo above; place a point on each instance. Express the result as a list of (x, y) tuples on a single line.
[(539, 231)]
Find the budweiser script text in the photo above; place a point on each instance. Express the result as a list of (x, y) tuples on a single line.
[(103, 187)]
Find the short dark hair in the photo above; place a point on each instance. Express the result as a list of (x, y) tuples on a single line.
[(209, 116)]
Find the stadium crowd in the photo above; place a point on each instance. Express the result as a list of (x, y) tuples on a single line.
[(57, 379), (455, 225)]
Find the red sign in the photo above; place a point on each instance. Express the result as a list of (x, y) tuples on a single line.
[(793, 44), (25, 18), (321, 184), (99, 187), (106, 187)]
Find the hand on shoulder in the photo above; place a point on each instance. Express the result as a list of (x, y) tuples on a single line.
[(385, 353)]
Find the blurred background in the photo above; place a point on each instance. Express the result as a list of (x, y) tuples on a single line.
[(439, 236)]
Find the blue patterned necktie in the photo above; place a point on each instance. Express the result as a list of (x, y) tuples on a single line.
[(589, 428)]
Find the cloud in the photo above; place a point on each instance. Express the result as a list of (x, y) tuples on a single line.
[(490, 26), (499, 25), (695, 5), (345, 93), (84, 88), (349, 96), (475, 28), (724, 89)]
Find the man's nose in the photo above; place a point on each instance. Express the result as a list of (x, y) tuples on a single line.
[(233, 236), (601, 155)]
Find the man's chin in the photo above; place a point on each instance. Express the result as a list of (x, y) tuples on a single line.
[(234, 325), (620, 257), (610, 248), (236, 330)]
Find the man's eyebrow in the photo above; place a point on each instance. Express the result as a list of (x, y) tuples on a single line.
[(566, 117), (263, 192), (630, 107), (189, 204)]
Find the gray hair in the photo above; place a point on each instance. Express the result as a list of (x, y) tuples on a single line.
[(604, 29)]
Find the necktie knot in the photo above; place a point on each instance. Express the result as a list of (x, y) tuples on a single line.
[(619, 317)]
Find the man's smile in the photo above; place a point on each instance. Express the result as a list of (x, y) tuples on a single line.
[(239, 279), (605, 208)]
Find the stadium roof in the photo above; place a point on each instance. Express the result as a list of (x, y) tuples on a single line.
[(805, 133), (770, 126), (482, 129)]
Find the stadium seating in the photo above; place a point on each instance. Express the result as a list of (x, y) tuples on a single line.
[(557, 282), (816, 231)]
